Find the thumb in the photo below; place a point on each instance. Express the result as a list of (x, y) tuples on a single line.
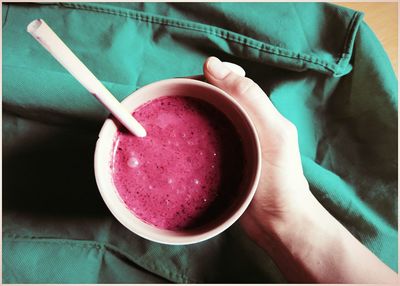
[(244, 90)]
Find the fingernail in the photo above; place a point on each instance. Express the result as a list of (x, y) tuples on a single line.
[(217, 68)]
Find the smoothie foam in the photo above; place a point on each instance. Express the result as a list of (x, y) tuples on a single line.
[(187, 169)]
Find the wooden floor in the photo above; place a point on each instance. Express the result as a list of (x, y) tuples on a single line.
[(382, 17)]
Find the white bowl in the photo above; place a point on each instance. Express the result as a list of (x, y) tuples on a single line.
[(252, 154)]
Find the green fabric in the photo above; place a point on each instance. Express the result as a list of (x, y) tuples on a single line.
[(320, 64)]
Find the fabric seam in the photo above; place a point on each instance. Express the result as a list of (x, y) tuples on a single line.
[(349, 40), (222, 33), (98, 246), (64, 72), (346, 48)]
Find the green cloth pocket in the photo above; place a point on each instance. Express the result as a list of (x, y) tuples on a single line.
[(321, 66)]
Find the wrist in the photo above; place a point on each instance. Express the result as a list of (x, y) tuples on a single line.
[(312, 246), (293, 207), (295, 237), (308, 217)]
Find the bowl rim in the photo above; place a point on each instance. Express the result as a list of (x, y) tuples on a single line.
[(187, 238)]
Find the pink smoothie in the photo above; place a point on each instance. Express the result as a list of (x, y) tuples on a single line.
[(187, 169)]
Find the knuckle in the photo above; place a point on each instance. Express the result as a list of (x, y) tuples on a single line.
[(242, 85)]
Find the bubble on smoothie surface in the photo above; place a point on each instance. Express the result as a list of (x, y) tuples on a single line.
[(133, 162), (185, 171)]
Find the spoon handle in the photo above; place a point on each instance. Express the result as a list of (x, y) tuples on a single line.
[(56, 47)]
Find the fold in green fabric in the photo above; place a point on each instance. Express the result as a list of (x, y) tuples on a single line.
[(320, 64)]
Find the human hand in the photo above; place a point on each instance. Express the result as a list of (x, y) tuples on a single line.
[(305, 241), (283, 191)]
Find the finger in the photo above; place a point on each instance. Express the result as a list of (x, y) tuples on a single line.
[(246, 91), (235, 68)]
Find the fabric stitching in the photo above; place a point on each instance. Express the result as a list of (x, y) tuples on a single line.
[(64, 72), (352, 27), (349, 39), (100, 246), (227, 35), (221, 33)]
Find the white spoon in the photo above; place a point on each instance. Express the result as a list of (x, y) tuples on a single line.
[(56, 47)]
